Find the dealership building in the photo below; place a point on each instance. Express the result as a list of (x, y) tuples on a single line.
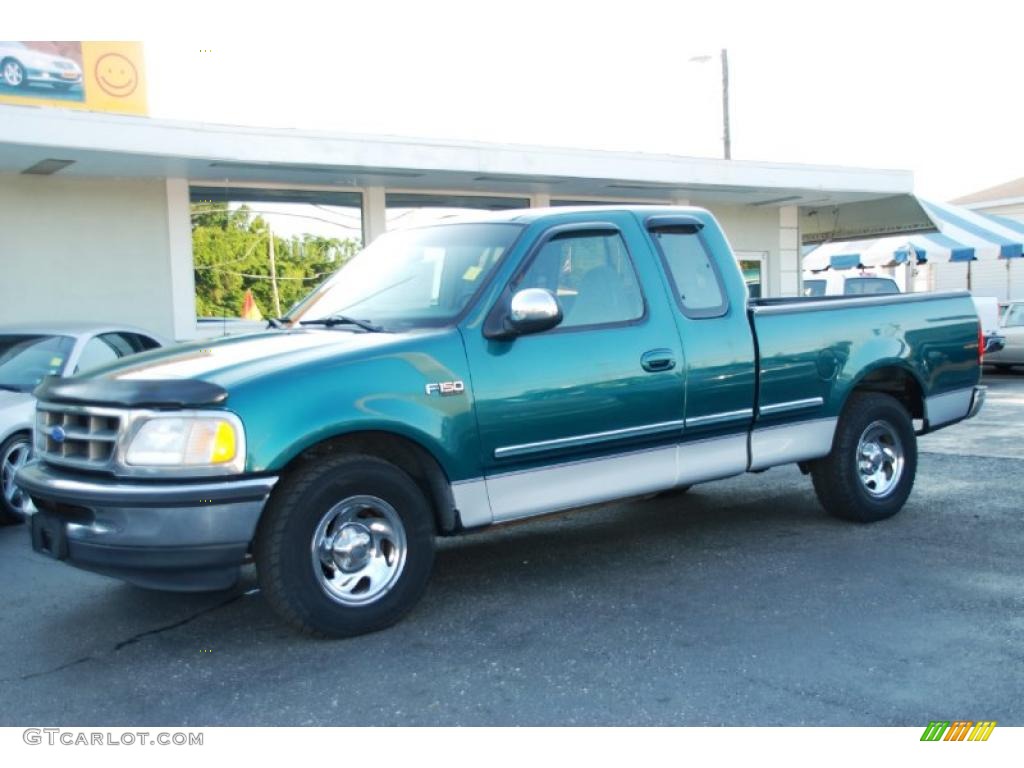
[(95, 208)]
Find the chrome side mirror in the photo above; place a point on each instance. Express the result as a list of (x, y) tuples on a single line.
[(530, 310)]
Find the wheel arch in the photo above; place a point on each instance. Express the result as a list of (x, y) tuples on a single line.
[(893, 378), (405, 453)]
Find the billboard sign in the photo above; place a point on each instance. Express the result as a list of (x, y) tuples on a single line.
[(78, 74)]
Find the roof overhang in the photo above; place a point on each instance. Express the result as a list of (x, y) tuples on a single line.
[(897, 214), (131, 147)]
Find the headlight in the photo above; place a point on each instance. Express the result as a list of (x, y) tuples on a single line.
[(216, 442)]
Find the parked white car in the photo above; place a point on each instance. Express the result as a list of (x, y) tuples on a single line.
[(27, 354), (1012, 329)]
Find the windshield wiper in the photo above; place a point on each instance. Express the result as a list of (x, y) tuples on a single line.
[(333, 320)]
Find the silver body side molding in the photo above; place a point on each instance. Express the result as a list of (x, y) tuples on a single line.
[(772, 446), (947, 407), (594, 438), (791, 405), (720, 418)]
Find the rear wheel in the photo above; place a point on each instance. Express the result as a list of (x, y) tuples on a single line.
[(870, 472), (345, 546)]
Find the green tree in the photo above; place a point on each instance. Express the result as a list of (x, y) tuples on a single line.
[(231, 254)]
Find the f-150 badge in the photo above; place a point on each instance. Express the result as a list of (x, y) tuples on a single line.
[(445, 388)]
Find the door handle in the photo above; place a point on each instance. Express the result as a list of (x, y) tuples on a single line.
[(657, 360)]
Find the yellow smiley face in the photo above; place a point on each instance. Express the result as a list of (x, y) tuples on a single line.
[(116, 75)]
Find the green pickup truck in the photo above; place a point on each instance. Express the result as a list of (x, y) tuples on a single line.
[(462, 375)]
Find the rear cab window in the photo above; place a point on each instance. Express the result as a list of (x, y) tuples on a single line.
[(696, 281)]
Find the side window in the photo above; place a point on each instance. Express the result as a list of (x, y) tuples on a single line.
[(694, 274), (592, 276), (125, 343), (145, 343), (95, 353)]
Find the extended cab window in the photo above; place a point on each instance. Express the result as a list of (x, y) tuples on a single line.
[(694, 275), (592, 276)]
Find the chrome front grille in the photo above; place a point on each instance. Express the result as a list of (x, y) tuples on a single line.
[(77, 436)]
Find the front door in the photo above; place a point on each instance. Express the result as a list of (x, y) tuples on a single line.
[(592, 409)]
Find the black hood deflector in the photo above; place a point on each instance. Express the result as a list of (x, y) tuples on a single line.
[(138, 393)]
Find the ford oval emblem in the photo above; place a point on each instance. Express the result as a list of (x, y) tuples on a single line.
[(57, 434)]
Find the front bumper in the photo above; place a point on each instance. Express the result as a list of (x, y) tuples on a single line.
[(182, 536)]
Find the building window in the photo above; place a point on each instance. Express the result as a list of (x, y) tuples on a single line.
[(256, 252)]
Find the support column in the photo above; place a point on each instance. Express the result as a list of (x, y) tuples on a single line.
[(540, 200), (790, 273), (182, 276), (374, 214)]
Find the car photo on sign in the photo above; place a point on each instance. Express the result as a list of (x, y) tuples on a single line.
[(50, 70)]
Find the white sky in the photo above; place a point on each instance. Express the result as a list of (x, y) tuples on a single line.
[(932, 87)]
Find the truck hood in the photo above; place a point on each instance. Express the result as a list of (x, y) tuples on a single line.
[(230, 360)]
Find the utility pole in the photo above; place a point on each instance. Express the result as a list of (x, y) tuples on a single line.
[(726, 138), (273, 274)]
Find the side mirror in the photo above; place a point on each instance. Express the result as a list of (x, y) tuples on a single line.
[(531, 310)]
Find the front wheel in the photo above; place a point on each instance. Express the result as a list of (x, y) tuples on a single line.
[(345, 546), (13, 74), (15, 451), (870, 472)]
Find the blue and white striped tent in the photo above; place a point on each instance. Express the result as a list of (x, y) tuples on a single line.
[(963, 235)]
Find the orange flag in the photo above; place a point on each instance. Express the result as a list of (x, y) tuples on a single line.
[(249, 309)]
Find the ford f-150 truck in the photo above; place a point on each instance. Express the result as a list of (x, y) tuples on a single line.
[(457, 376)]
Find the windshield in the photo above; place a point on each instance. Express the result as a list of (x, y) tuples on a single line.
[(26, 358), (411, 278)]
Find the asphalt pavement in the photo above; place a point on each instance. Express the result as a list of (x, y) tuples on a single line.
[(740, 603)]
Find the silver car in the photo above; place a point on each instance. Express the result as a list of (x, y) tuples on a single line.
[(27, 354), (21, 66), (1012, 329)]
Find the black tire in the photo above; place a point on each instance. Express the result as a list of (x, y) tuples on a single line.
[(679, 490), (300, 504), (837, 477), (12, 513)]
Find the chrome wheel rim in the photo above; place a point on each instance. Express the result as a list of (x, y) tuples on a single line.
[(15, 458), (13, 74), (359, 550), (880, 459)]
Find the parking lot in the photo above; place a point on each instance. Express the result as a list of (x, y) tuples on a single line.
[(740, 603)]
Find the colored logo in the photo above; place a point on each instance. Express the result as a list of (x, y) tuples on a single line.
[(958, 730), (57, 434)]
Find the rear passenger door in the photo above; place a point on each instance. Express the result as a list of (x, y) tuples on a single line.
[(709, 304), (590, 410)]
